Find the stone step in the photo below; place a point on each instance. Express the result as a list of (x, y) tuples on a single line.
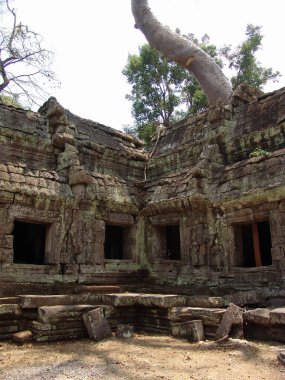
[(9, 300), (147, 300), (36, 301), (204, 301)]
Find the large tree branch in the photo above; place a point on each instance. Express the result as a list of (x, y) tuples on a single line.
[(187, 54)]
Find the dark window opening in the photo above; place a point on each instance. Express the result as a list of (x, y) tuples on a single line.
[(254, 241), (114, 242), (29, 243), (173, 243)]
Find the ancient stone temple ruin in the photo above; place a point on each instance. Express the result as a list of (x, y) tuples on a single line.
[(82, 204)]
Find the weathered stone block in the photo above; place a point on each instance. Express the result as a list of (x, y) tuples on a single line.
[(36, 301), (6, 255), (209, 316), (277, 316), (55, 314), (6, 197), (161, 300), (8, 329), (121, 299), (9, 300), (22, 337), (253, 297), (4, 176), (192, 330), (38, 327), (10, 311), (125, 331), (260, 316), (97, 325), (202, 301), (6, 241), (233, 317)]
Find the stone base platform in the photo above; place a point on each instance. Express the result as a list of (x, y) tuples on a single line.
[(58, 317)]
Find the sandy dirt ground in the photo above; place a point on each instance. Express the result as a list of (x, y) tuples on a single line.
[(142, 357)]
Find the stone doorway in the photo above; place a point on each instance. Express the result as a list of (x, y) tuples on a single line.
[(29, 243), (254, 244)]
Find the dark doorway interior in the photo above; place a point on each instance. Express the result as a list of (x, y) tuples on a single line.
[(247, 242), (256, 244), (173, 243), (265, 242), (114, 243), (29, 243)]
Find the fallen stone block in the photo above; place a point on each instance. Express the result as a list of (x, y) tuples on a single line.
[(192, 330), (277, 316), (232, 323), (209, 316), (57, 314), (256, 324), (39, 327), (260, 316), (125, 331), (22, 337), (277, 333), (97, 325), (36, 301)]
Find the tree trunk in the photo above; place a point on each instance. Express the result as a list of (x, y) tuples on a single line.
[(178, 49)]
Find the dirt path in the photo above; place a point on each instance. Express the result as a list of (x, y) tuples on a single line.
[(141, 357)]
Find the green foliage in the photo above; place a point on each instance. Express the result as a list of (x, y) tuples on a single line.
[(162, 92), (155, 86), (243, 61), (259, 152)]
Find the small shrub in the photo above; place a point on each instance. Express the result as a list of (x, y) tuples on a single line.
[(258, 152)]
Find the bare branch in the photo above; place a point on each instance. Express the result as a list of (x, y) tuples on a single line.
[(24, 63)]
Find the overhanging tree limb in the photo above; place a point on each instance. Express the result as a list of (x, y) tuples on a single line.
[(182, 51)]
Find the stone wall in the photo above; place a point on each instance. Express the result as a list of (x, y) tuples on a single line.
[(202, 172), (72, 176), (199, 212)]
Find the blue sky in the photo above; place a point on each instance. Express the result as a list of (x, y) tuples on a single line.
[(92, 39)]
